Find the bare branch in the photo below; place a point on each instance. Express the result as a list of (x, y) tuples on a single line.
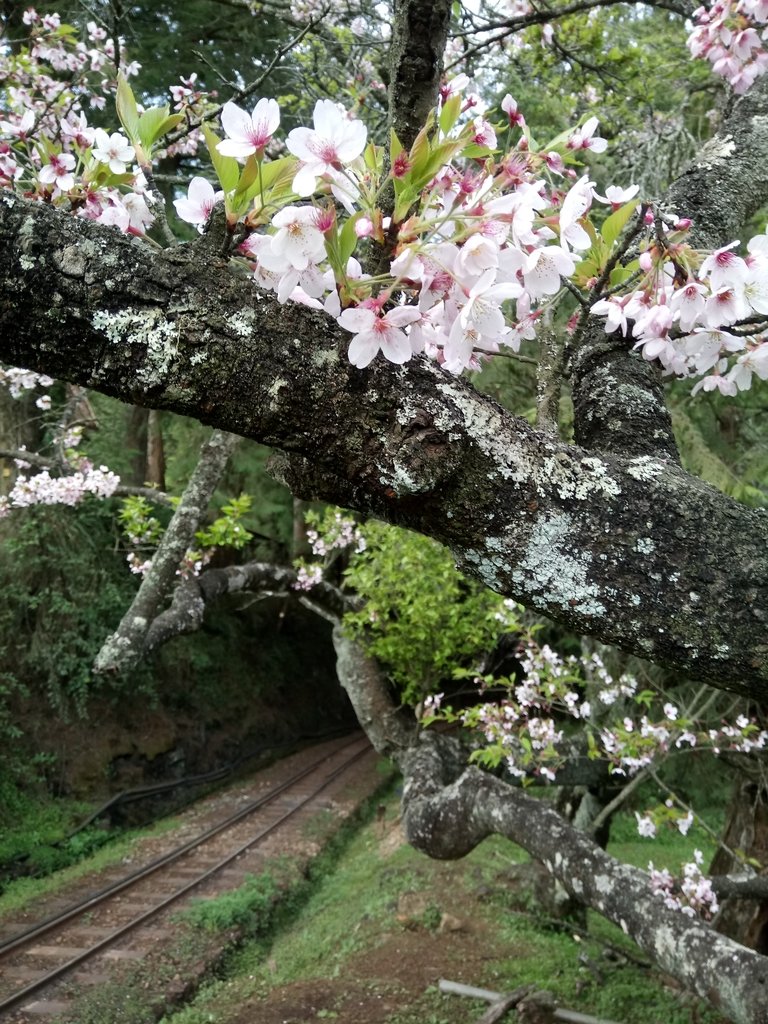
[(126, 645)]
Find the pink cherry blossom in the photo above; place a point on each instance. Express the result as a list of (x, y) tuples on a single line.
[(584, 137), (689, 303), (374, 333), (22, 129), (617, 196), (335, 141), (58, 171), (299, 240), (575, 205), (543, 268), (199, 202), (114, 150), (247, 133), (510, 108)]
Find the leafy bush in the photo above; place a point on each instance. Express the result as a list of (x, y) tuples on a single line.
[(251, 906), (422, 618)]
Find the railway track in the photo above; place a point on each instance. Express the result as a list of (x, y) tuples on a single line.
[(116, 921)]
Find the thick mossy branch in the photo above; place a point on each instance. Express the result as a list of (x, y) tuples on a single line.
[(629, 549)]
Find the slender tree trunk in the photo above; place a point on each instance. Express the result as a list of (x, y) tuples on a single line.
[(136, 443), (155, 451), (746, 830), (19, 428)]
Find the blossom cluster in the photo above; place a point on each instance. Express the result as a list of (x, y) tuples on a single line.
[(701, 315), (328, 535), (480, 241), (471, 238), (18, 380), (68, 489), (525, 730), (48, 148), (692, 894), (730, 34), (338, 533)]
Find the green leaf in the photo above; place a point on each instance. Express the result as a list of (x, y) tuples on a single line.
[(248, 176), (226, 167), (615, 224), (449, 115), (395, 146), (127, 111), (154, 123), (348, 239)]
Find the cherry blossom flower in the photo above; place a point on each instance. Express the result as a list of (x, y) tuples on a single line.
[(510, 108), (689, 303), (374, 333), (543, 268), (248, 133), (114, 150), (575, 205), (200, 200), (724, 267), (613, 310), (617, 196), (22, 129), (483, 133), (646, 826), (298, 239), (58, 171), (335, 141), (583, 138)]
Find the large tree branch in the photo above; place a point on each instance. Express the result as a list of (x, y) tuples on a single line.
[(631, 550), (447, 817), (448, 808)]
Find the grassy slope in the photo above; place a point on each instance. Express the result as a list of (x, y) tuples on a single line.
[(368, 945)]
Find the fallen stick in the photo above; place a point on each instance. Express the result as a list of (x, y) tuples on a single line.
[(502, 1002)]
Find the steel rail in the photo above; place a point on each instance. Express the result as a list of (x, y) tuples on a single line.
[(23, 938), (50, 923)]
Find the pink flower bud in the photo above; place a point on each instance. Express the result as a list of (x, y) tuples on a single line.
[(363, 227)]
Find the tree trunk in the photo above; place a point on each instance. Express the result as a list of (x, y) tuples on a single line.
[(746, 830)]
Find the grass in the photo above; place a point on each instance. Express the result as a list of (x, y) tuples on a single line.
[(349, 922), (22, 891)]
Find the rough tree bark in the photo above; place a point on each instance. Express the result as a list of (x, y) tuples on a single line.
[(449, 807), (627, 548)]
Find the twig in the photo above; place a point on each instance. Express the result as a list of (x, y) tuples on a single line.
[(509, 1000), (245, 92)]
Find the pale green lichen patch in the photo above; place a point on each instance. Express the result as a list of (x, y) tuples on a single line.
[(322, 357), (644, 545), (486, 427), (577, 478), (402, 481), (645, 467), (555, 575), (274, 391), (241, 323), (145, 327)]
